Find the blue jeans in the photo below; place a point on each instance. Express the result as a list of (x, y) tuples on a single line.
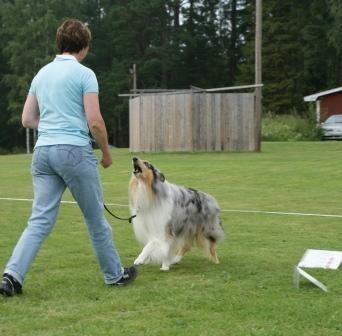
[(55, 168)]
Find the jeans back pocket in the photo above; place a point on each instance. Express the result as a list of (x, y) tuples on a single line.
[(69, 155)]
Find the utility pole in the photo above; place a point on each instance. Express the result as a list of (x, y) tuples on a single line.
[(28, 149), (258, 71), (134, 77)]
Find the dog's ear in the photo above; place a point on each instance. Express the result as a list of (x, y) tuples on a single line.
[(161, 177), (157, 174)]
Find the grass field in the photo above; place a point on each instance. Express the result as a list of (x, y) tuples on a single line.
[(250, 292)]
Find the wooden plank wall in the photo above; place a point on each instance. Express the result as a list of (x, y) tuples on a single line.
[(193, 122)]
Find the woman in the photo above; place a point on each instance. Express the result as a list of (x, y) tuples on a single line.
[(63, 104)]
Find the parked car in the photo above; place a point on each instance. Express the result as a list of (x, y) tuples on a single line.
[(332, 127)]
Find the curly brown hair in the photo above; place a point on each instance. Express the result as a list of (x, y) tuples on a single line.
[(72, 36)]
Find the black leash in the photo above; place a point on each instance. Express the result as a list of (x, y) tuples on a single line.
[(117, 217)]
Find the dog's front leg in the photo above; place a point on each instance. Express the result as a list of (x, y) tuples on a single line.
[(165, 265), (141, 259), (145, 255)]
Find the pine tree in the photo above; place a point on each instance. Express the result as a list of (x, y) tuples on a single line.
[(335, 41), (316, 50), (283, 60), (31, 26)]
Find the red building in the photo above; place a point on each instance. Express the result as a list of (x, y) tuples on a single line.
[(327, 103)]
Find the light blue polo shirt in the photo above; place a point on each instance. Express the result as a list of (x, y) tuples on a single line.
[(59, 88)]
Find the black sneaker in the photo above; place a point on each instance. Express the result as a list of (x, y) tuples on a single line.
[(129, 275), (10, 286)]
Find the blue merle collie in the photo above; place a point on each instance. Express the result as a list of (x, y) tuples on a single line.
[(170, 217)]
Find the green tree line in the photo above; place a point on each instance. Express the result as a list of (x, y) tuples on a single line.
[(175, 44)]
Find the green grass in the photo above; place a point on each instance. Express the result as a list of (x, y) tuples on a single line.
[(249, 293)]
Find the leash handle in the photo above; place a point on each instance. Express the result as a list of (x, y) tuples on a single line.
[(117, 217)]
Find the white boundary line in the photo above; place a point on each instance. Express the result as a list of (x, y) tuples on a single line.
[(223, 210), (64, 202), (284, 213)]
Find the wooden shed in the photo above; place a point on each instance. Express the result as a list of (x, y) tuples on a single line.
[(327, 103), (193, 121)]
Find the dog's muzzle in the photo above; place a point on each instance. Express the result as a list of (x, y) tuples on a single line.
[(136, 166)]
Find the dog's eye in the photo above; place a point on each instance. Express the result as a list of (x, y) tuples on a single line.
[(147, 165)]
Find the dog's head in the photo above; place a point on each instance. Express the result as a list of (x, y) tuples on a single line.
[(145, 171)]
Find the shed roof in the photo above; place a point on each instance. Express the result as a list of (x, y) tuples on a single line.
[(316, 96)]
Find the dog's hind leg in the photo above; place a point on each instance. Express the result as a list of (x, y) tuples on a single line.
[(213, 254), (209, 247)]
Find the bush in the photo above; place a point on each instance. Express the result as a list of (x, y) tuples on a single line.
[(290, 128)]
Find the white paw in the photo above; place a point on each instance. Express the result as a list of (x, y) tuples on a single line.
[(139, 261), (165, 268)]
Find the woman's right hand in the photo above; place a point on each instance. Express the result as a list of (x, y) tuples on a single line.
[(106, 160)]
